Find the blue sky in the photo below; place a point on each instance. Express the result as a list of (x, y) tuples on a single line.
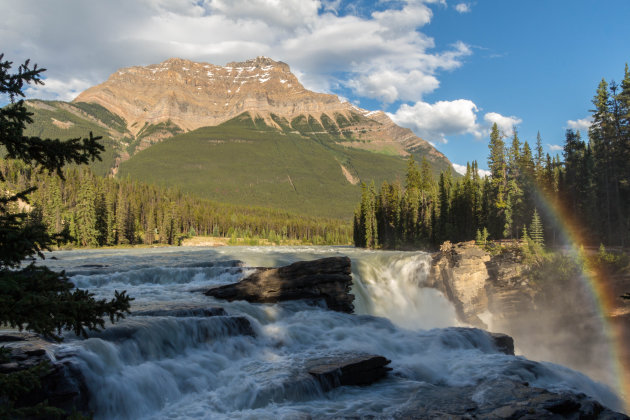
[(446, 69)]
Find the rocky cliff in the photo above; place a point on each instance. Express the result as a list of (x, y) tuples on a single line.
[(190, 95), (479, 284), (553, 319)]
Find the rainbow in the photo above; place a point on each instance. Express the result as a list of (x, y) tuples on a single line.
[(595, 281)]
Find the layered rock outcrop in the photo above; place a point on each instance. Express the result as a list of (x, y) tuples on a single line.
[(190, 95), (327, 278), (194, 95), (478, 283), (551, 316)]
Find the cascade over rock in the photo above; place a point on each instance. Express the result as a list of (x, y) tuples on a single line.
[(327, 278), (178, 357)]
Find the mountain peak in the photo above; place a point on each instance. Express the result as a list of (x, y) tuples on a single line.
[(260, 62), (192, 94)]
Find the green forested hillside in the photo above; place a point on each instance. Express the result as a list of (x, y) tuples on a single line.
[(303, 165), (62, 120), (247, 162), (97, 211)]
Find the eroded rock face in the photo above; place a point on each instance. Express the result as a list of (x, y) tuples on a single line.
[(327, 278), (477, 282), (191, 95), (194, 95), (459, 271)]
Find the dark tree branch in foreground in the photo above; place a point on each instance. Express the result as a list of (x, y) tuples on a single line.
[(33, 297)]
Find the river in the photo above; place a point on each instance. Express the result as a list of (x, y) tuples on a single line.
[(156, 366)]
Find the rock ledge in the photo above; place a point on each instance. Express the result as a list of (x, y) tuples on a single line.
[(326, 278)]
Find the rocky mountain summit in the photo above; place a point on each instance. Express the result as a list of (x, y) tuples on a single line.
[(194, 95), (190, 95), (247, 133)]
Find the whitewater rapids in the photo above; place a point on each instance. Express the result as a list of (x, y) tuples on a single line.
[(191, 367)]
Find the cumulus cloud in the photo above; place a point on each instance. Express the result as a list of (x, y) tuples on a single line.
[(505, 124), (483, 173), (57, 89), (463, 8), (461, 169), (582, 124), (435, 122), (389, 85), (554, 147), (406, 81), (382, 55)]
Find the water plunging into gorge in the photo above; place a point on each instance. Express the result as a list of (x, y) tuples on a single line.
[(171, 359)]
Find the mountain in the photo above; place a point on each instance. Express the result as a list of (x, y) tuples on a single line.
[(192, 124)]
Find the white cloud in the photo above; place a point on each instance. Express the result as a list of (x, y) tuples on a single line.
[(436, 121), (389, 85), (57, 89), (554, 147), (483, 173), (406, 81), (463, 8), (505, 124), (461, 169), (582, 124), (383, 55)]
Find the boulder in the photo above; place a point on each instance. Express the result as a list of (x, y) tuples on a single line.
[(327, 278), (503, 342), (350, 369), (62, 384), (500, 399)]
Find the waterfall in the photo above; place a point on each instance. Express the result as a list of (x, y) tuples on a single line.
[(393, 286), (185, 355)]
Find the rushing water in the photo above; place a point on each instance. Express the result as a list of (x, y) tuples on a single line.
[(153, 365)]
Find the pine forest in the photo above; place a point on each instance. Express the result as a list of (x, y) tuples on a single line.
[(525, 190)]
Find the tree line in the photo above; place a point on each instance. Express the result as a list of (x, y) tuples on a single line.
[(97, 211), (590, 185)]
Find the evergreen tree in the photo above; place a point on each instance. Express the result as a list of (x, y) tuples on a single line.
[(34, 297), (413, 178), (498, 183), (600, 136), (536, 229), (87, 234), (122, 218), (444, 197), (539, 158)]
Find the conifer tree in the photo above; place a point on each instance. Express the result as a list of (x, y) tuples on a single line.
[(600, 136), (86, 216), (413, 178), (34, 297), (539, 159), (536, 229), (499, 182)]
